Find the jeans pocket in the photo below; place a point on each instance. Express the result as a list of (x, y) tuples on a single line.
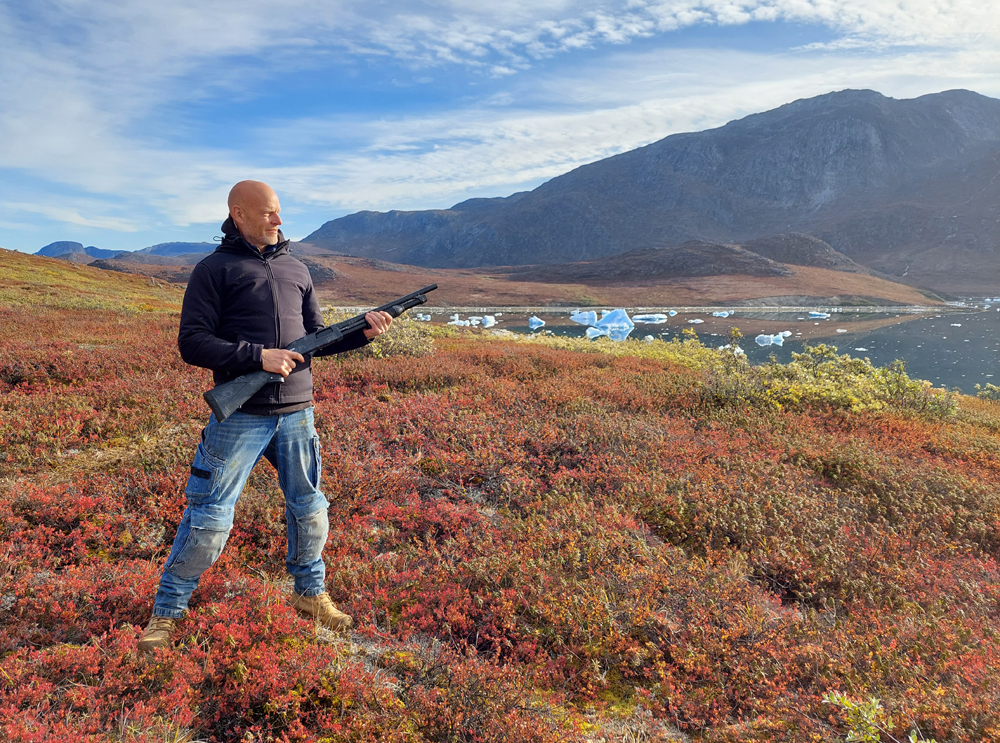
[(203, 481)]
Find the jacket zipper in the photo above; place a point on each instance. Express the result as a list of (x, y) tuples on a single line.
[(277, 322)]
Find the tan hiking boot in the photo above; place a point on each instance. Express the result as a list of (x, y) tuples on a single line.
[(321, 609), (157, 634)]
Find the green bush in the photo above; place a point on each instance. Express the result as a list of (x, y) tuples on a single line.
[(819, 378), (406, 337), (989, 392)]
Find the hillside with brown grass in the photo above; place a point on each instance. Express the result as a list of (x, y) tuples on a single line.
[(541, 539)]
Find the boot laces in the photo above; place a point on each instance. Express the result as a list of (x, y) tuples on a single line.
[(158, 624)]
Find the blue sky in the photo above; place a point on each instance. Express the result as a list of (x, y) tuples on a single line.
[(123, 123)]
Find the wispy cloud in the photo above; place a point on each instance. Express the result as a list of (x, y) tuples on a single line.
[(70, 216), (102, 97)]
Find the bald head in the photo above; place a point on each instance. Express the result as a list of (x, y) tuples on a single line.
[(254, 208)]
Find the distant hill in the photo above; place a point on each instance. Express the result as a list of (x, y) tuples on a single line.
[(177, 248), (185, 251), (34, 280), (896, 185), (799, 249), (693, 258), (66, 247)]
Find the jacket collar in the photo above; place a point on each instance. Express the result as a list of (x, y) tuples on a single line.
[(234, 242)]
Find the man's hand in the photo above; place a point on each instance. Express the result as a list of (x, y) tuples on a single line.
[(379, 322), (280, 360)]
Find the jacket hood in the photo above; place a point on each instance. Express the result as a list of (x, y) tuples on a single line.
[(235, 242)]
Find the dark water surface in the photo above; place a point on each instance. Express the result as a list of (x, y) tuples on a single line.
[(955, 348)]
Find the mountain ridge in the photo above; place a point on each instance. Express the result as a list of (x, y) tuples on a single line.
[(876, 178)]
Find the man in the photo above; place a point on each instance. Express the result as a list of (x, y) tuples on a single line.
[(243, 303)]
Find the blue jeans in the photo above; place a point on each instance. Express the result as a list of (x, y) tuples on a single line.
[(227, 453)]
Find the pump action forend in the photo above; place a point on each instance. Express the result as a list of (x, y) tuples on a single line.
[(226, 398)]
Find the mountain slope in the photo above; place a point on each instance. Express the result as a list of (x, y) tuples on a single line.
[(873, 176)]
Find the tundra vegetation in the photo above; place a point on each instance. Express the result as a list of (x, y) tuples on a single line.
[(540, 540)]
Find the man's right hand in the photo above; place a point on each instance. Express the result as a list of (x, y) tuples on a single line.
[(280, 360)]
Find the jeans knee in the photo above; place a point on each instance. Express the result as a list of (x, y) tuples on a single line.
[(311, 531), (200, 551)]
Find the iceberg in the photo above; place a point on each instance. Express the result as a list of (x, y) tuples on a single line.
[(475, 320), (672, 313), (616, 324), (649, 339), (696, 321), (723, 313), (841, 330), (535, 322), (423, 317), (615, 320), (595, 333), (657, 319), (489, 321), (770, 340), (822, 315), (584, 318)]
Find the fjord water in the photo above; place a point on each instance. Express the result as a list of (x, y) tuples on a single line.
[(954, 348)]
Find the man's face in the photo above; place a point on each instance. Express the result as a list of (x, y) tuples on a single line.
[(258, 219)]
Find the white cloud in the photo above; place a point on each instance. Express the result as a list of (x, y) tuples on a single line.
[(86, 83), (625, 102), (71, 216)]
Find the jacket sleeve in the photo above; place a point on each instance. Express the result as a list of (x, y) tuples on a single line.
[(200, 318), (313, 320)]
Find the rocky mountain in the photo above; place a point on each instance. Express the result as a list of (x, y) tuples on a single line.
[(903, 186)]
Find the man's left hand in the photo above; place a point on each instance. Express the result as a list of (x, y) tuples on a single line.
[(378, 322)]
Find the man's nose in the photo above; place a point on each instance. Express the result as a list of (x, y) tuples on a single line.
[(275, 220)]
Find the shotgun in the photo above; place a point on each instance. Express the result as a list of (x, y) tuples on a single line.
[(226, 398)]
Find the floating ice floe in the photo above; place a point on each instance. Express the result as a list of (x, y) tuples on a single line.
[(649, 339), (489, 321), (778, 339), (422, 316), (672, 312), (615, 324), (656, 319), (475, 320), (956, 325), (615, 320), (696, 321), (722, 313), (841, 330), (584, 318), (861, 349), (822, 315), (535, 322)]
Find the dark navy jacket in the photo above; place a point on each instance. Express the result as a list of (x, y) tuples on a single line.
[(239, 302)]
